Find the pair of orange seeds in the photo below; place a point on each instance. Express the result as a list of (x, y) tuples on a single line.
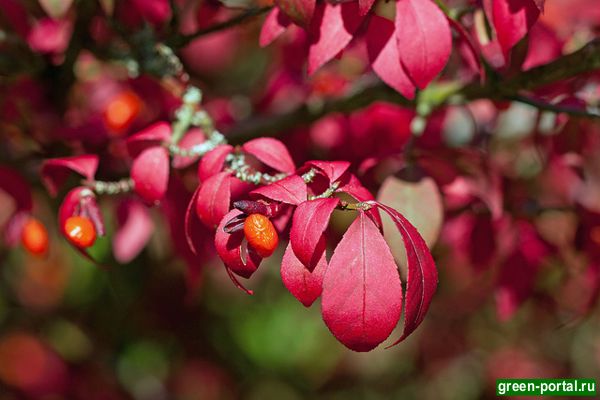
[(79, 230)]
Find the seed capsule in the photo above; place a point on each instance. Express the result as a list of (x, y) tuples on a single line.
[(80, 231), (34, 237), (261, 234)]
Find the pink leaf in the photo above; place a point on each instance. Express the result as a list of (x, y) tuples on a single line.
[(50, 36), (310, 221), (332, 169), (271, 152), (512, 19), (154, 135), (213, 199), (275, 24), (56, 8), (56, 171), (213, 161), (290, 190), (157, 12), (192, 138), (14, 185), (304, 285), (384, 56), (135, 227), (229, 245), (299, 11), (471, 55), (424, 39), (422, 275), (332, 28), (150, 174), (362, 295)]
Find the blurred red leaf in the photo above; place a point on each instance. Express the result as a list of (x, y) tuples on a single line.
[(332, 28), (275, 24), (424, 39), (512, 19), (134, 229), (384, 56), (150, 174), (15, 186), (56, 171), (192, 138), (213, 161), (154, 135)]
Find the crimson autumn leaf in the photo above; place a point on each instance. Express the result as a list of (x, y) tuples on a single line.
[(310, 221), (421, 279), (362, 295), (213, 161), (333, 170), (153, 135), (134, 228), (290, 190), (332, 28), (271, 152), (56, 171), (384, 56), (193, 137), (16, 186), (424, 39), (303, 284), (512, 19), (212, 201), (150, 173)]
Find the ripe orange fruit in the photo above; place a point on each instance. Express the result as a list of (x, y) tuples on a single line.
[(34, 237), (121, 111), (261, 234), (80, 231)]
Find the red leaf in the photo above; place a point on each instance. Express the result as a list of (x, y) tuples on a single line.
[(332, 28), (213, 199), (384, 56), (213, 161), (422, 275), (304, 285), (512, 19), (271, 152), (13, 184), (424, 39), (332, 169), (229, 245), (299, 11), (275, 24), (56, 171), (310, 221), (362, 294), (50, 35), (152, 136), (135, 227), (192, 138), (290, 190), (471, 55), (150, 174)]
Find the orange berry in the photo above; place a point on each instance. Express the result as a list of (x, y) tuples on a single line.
[(35, 237), (121, 111), (80, 231), (261, 234)]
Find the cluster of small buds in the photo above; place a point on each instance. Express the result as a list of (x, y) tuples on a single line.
[(201, 149), (100, 187), (237, 164), (327, 193)]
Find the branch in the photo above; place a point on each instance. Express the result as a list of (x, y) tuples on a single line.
[(557, 108), (181, 40), (584, 60)]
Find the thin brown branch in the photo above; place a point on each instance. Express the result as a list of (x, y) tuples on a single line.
[(584, 60), (180, 41)]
